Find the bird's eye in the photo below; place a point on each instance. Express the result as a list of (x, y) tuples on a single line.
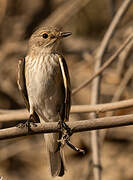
[(45, 35)]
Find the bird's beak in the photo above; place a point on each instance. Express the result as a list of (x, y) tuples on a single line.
[(65, 34)]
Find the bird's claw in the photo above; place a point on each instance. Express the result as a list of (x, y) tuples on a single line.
[(65, 128), (23, 125), (74, 147), (66, 134), (27, 124)]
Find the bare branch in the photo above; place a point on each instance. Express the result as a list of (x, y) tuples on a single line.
[(128, 75), (69, 9), (118, 94), (122, 58), (19, 115), (102, 107), (105, 65), (77, 126), (95, 144)]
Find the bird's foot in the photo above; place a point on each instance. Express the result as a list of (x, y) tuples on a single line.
[(32, 121), (74, 147), (24, 124), (65, 128), (66, 134), (28, 124)]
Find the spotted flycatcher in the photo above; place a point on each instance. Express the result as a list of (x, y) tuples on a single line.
[(44, 81)]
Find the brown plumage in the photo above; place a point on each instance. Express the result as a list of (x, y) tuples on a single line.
[(44, 81)]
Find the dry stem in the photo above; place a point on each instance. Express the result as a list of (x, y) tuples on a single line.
[(77, 126)]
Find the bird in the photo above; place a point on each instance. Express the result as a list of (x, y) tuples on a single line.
[(44, 81)]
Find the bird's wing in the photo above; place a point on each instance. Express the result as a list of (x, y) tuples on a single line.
[(21, 82), (22, 86), (67, 86)]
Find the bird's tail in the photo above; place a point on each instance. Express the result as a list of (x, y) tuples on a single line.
[(56, 158)]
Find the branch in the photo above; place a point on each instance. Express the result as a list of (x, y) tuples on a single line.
[(65, 12), (96, 85), (117, 95), (77, 126), (122, 58), (121, 87), (19, 115), (102, 107), (127, 76), (105, 65)]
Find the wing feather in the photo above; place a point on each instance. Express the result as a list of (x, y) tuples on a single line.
[(67, 86), (22, 87)]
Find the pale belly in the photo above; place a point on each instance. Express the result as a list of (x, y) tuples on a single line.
[(45, 88)]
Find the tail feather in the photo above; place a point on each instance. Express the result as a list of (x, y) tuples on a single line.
[(62, 170), (56, 158), (55, 153), (56, 164)]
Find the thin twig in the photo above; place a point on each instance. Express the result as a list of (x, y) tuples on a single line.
[(128, 75), (77, 126), (96, 86), (122, 58), (69, 9), (117, 95), (105, 65), (121, 87), (112, 5), (17, 115), (102, 107)]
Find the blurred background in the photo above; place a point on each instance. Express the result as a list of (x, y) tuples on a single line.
[(25, 158)]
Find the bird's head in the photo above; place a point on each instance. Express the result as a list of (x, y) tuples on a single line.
[(46, 39)]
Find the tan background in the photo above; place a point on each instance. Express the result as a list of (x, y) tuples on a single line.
[(25, 158)]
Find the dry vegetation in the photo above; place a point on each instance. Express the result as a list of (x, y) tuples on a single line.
[(25, 157)]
